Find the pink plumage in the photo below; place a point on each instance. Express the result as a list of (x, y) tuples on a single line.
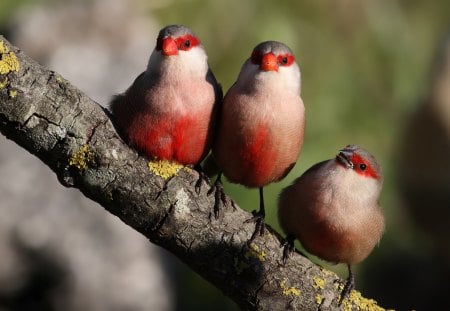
[(262, 121), (169, 112), (333, 210)]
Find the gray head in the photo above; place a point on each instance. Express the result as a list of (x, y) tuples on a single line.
[(272, 46), (174, 38), (360, 160), (270, 55), (175, 31)]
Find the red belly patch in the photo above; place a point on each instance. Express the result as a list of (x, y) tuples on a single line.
[(258, 157), (182, 140)]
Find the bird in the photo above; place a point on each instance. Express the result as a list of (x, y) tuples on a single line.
[(333, 209), (170, 110), (261, 127)]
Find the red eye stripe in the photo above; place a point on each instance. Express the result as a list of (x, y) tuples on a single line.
[(285, 59), (184, 43), (187, 42), (363, 167)]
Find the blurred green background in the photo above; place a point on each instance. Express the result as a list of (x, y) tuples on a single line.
[(366, 68)]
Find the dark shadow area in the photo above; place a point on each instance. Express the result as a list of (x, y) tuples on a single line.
[(44, 279), (408, 281)]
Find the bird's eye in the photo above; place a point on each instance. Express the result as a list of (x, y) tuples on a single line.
[(285, 59), (187, 42), (362, 166)]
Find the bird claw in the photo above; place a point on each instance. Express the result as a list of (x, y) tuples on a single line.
[(349, 286), (201, 177), (258, 218), (288, 248), (219, 197)]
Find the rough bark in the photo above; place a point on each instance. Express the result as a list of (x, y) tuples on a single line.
[(46, 115)]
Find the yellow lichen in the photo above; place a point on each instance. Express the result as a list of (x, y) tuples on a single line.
[(319, 283), (60, 79), (289, 291), (3, 47), (82, 158), (327, 272), (319, 299), (164, 168), (12, 93), (356, 300), (254, 252), (8, 60), (338, 286)]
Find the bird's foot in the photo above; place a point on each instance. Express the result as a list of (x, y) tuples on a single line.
[(260, 225), (348, 287), (201, 177), (288, 248), (219, 197)]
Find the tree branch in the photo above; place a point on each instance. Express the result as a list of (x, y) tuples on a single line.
[(73, 135)]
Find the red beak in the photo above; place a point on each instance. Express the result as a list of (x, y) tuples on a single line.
[(169, 47), (269, 62)]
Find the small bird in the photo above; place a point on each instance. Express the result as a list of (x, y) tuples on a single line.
[(260, 133), (333, 209), (169, 112)]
